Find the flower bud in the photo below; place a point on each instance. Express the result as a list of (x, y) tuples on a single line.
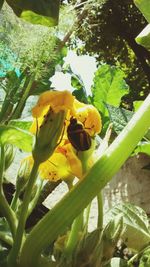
[(9, 155), (23, 174), (48, 135)]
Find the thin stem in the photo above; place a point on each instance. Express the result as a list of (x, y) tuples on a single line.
[(23, 216), (73, 236), (15, 200), (4, 206), (87, 216), (48, 229), (25, 95), (130, 262), (100, 210)]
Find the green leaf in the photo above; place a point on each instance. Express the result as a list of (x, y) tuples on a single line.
[(137, 104), (34, 18), (80, 92), (143, 147), (119, 117), (1, 3), (145, 259), (109, 87), (17, 137), (136, 232), (22, 124), (144, 37), (144, 7), (47, 8)]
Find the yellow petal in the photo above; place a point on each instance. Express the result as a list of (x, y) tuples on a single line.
[(57, 100), (74, 162), (89, 116), (56, 168)]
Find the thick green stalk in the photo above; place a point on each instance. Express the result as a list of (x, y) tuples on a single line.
[(23, 216), (4, 206), (56, 220)]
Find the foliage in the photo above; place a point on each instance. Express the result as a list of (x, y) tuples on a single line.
[(109, 32), (41, 12), (60, 236)]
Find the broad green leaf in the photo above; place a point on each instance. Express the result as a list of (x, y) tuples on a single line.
[(22, 124), (109, 87), (144, 7), (47, 8), (119, 117), (136, 232), (143, 147), (144, 37), (15, 136)]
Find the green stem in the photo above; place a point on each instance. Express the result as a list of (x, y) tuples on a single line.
[(73, 238), (15, 200), (48, 229), (100, 210), (4, 206), (87, 216), (6, 238), (18, 109), (130, 262), (23, 216)]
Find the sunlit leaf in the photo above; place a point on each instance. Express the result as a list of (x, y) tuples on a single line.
[(34, 18), (47, 8), (137, 104), (136, 233), (22, 124), (109, 87), (15, 136), (143, 147), (144, 7), (144, 37)]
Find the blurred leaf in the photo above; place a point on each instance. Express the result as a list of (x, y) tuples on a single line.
[(143, 147), (145, 259), (144, 37), (137, 104), (47, 8), (1, 3), (136, 233), (15, 136), (109, 87), (144, 7), (119, 117), (22, 124)]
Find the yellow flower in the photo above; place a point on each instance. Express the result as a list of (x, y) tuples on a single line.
[(57, 100), (53, 112), (50, 113)]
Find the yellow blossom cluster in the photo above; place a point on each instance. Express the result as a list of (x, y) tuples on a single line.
[(64, 163)]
